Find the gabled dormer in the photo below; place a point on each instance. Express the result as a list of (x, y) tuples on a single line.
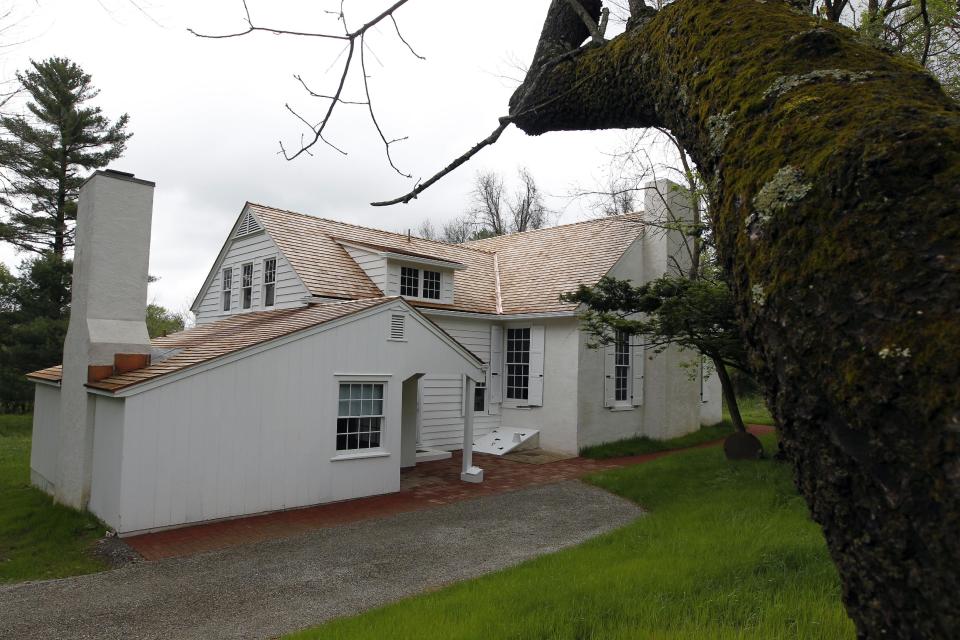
[(396, 272), (251, 273)]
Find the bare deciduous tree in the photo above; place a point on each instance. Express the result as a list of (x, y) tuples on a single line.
[(527, 209), (498, 214), (488, 203)]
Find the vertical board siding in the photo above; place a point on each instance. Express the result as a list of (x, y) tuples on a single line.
[(45, 435), (258, 434), (254, 248), (441, 397)]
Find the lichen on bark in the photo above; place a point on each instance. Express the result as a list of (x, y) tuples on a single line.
[(860, 254)]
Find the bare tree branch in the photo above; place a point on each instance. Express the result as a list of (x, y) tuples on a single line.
[(474, 150)]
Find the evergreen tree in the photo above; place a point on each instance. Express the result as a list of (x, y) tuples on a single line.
[(45, 156)]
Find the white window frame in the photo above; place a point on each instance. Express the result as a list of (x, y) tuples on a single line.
[(353, 381), (244, 287), (480, 389), (423, 284), (415, 278), (420, 282), (226, 293), (273, 283), (507, 400)]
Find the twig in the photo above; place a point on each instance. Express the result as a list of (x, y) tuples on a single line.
[(474, 150), (373, 117)]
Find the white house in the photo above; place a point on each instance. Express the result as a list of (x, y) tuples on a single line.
[(328, 356)]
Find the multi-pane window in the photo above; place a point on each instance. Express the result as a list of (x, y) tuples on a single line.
[(359, 416), (269, 281), (480, 397), (409, 282), (622, 367), (227, 288), (431, 284), (518, 363), (246, 285)]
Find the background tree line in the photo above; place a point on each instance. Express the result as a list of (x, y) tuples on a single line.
[(46, 153)]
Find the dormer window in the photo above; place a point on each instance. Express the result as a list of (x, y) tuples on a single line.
[(269, 281), (227, 288), (246, 285), (431, 285), (409, 282), (417, 283)]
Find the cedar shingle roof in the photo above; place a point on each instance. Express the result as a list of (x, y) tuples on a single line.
[(310, 245), (535, 267), (217, 339)]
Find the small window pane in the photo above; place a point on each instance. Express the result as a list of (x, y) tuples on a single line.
[(479, 397), (431, 285), (270, 270), (409, 281)]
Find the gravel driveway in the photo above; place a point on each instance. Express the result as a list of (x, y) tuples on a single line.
[(267, 589)]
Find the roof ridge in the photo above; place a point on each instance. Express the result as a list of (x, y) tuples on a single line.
[(458, 245), (633, 214)]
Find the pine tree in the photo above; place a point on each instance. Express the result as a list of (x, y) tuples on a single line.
[(46, 155)]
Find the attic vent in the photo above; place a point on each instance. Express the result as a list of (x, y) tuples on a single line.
[(397, 326), (248, 225)]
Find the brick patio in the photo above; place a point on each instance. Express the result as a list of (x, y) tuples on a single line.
[(429, 484)]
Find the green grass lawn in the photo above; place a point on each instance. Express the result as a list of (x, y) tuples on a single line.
[(640, 445), (38, 539), (727, 551), (752, 410)]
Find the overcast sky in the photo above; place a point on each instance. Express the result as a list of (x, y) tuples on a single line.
[(207, 115)]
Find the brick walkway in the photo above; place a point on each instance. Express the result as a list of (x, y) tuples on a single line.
[(427, 485)]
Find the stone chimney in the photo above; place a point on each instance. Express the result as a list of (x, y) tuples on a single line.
[(107, 315)]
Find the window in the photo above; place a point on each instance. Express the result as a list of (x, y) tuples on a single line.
[(360, 416), (227, 288), (518, 363), (269, 281), (480, 397), (409, 281), (431, 284), (622, 367), (246, 286)]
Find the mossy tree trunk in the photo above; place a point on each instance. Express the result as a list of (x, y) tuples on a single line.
[(835, 173)]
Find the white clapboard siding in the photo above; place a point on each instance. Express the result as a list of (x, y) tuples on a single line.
[(441, 397), (373, 264), (252, 248)]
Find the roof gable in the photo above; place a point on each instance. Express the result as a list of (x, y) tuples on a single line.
[(247, 224), (313, 247)]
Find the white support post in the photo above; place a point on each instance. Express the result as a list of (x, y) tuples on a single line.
[(470, 473)]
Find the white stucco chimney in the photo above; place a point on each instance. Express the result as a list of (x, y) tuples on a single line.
[(666, 203), (107, 314)]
